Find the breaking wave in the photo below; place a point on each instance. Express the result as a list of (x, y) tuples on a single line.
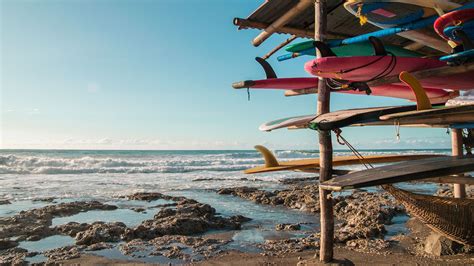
[(12, 164)]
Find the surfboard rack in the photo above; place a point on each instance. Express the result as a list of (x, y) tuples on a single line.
[(269, 72)]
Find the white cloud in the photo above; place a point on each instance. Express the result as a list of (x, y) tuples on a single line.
[(33, 111)]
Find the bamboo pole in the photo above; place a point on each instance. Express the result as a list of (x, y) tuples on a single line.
[(281, 21), (325, 145), (457, 150), (281, 45)]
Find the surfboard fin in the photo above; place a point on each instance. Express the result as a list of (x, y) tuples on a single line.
[(269, 72), (379, 48), (270, 159), (323, 49), (422, 100)]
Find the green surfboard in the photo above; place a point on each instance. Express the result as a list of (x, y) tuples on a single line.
[(360, 49)]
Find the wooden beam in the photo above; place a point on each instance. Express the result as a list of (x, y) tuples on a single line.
[(413, 46), (457, 150), (302, 33), (245, 24), (282, 21), (281, 45), (325, 145)]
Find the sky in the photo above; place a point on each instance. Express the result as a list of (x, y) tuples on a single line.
[(142, 74)]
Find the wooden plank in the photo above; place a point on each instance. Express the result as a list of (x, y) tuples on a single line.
[(401, 172), (452, 110), (343, 118)]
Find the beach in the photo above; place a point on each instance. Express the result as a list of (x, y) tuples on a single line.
[(197, 207)]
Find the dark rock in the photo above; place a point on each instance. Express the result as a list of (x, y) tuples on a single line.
[(288, 227), (139, 209), (13, 256), (151, 196), (36, 222), (7, 243), (363, 215), (72, 228), (4, 202), (101, 232), (305, 198), (99, 246), (292, 245), (61, 254), (189, 217)]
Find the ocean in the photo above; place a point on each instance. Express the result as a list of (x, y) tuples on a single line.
[(30, 174)]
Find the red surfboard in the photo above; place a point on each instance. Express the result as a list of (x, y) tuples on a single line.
[(389, 90)]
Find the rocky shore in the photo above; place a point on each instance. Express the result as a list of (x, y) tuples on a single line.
[(177, 229), (361, 220), (174, 223)]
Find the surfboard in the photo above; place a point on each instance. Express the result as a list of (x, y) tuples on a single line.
[(363, 48), (272, 164), (418, 34), (363, 68), (343, 118), (387, 13), (294, 121), (401, 172), (389, 90), (448, 110), (448, 22)]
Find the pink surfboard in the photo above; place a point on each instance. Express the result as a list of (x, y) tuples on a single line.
[(389, 90), (363, 68)]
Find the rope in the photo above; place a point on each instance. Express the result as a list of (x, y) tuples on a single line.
[(340, 85), (341, 140)]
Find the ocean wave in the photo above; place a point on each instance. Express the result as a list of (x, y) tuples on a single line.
[(12, 164)]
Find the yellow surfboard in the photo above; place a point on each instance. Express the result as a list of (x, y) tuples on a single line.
[(272, 164)]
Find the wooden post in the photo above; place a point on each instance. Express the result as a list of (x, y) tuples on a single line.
[(459, 190), (325, 145)]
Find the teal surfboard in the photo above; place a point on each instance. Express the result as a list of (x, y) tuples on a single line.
[(363, 48)]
